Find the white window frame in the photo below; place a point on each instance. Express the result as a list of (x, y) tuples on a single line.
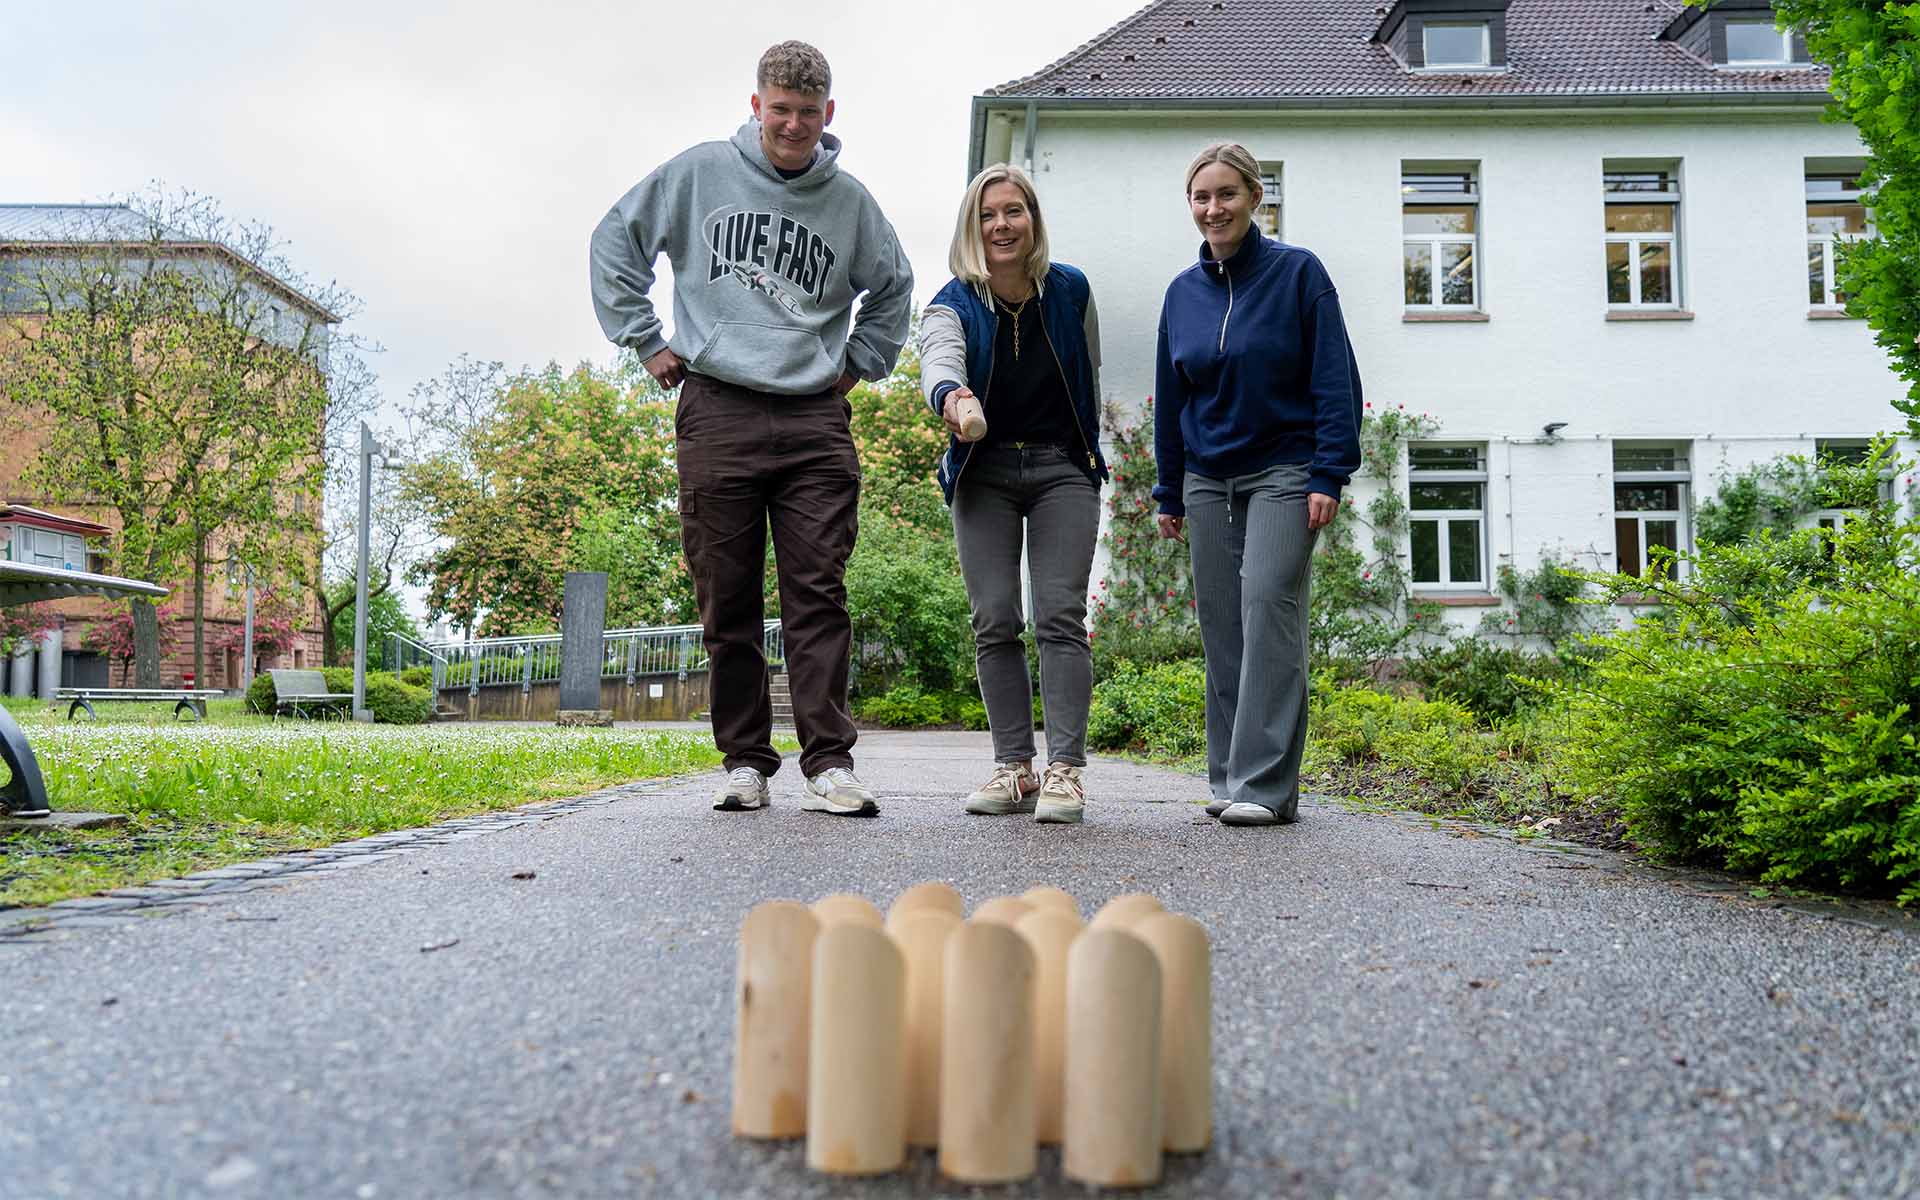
[(1634, 241), (1272, 177), (1785, 37), (1444, 518), (1433, 242), (1486, 46), (1825, 245), (1681, 475)]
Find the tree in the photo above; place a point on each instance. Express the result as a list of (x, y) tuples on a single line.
[(531, 476), (1872, 50), (386, 616), (173, 371)]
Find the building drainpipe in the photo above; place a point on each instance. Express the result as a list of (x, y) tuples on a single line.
[(49, 664), (1033, 132)]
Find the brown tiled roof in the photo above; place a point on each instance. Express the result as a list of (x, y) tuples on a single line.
[(1303, 49)]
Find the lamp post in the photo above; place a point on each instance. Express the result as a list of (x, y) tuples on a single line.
[(246, 637), (368, 448)]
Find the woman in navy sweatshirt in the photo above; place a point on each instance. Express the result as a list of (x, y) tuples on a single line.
[(1256, 430)]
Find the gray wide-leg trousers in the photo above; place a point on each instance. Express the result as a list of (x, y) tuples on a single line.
[(1033, 496), (1252, 565)]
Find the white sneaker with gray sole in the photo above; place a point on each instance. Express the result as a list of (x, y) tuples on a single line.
[(1249, 814), (744, 791), (839, 791), (1063, 797), (1009, 791)]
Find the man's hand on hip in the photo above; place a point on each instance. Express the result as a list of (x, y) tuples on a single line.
[(667, 369)]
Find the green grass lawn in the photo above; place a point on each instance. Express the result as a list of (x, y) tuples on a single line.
[(240, 787)]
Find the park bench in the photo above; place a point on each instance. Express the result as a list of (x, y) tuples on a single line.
[(186, 700), (297, 690)]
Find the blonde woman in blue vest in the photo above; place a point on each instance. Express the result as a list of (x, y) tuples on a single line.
[(1016, 335)]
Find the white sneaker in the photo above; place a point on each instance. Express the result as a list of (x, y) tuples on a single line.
[(837, 790), (1063, 798), (1243, 813), (745, 790), (1009, 791)]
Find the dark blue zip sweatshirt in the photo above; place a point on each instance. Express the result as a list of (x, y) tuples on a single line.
[(1255, 371)]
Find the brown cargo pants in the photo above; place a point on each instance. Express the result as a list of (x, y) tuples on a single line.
[(748, 461)]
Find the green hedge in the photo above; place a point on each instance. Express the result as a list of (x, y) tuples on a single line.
[(908, 707), (391, 701), (1158, 710)]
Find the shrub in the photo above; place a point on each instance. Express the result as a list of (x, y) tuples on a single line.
[(903, 707), (391, 701), (1764, 719), (908, 603), (1487, 678), (1433, 739), (1158, 710), (420, 677)]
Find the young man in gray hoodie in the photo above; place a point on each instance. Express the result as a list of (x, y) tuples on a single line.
[(770, 244)]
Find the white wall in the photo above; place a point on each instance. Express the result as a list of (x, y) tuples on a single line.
[(1749, 377)]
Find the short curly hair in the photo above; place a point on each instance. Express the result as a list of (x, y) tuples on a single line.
[(797, 67)]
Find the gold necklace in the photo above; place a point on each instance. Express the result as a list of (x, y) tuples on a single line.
[(1015, 310)]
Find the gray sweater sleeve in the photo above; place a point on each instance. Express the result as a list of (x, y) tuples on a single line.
[(886, 310), (620, 260), (943, 354), (1092, 324)]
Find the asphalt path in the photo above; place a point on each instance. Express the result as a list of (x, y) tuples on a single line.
[(1402, 1008)]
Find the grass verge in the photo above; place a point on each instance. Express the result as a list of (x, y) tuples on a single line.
[(202, 796)]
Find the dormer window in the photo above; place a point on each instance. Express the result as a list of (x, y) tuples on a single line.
[(1446, 35), (1455, 44), (1757, 43)]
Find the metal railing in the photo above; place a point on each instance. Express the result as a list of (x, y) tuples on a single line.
[(403, 652), (628, 653)]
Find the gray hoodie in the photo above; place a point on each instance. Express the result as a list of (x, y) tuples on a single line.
[(765, 269)]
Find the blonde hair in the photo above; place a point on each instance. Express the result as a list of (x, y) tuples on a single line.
[(967, 256), (795, 66), (1233, 155)]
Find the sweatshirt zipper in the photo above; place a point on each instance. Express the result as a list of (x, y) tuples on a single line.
[(1229, 313), (1071, 407)]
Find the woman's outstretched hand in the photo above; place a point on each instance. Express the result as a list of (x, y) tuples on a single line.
[(950, 411)]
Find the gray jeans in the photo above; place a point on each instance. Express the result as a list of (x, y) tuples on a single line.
[(1252, 565), (1009, 496)]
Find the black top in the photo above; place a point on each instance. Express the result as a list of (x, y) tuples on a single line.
[(1026, 397)]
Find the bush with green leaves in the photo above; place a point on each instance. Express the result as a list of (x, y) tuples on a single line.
[(1764, 717), (906, 706), (391, 701), (908, 603), (1488, 678), (1159, 710), (1436, 741)]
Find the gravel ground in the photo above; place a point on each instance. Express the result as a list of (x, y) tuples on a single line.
[(1403, 1008)]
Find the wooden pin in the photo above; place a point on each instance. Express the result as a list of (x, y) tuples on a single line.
[(986, 1060), (1052, 897), (846, 907), (922, 936), (1050, 932), (1186, 1033), (772, 998), (932, 894), (857, 1062), (1122, 911), (1002, 910), (1113, 1125)]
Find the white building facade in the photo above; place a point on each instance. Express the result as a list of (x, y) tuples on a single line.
[(1597, 257)]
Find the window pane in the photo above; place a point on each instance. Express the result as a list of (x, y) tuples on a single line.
[(1637, 181), (1754, 41), (1834, 186), (1437, 183), (1432, 497), (1456, 278), (1656, 273), (1816, 273), (1419, 273), (1619, 273), (1463, 551), (1837, 220), (1626, 545), (1648, 458), (1426, 551), (1444, 458), (1639, 218), (1457, 45), (1426, 219), (1646, 497), (1662, 533), (1847, 453)]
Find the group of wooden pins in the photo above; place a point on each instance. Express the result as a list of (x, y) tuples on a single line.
[(983, 1037)]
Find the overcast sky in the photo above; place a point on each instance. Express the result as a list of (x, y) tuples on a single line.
[(446, 162)]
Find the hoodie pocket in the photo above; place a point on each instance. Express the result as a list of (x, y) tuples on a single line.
[(776, 358)]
